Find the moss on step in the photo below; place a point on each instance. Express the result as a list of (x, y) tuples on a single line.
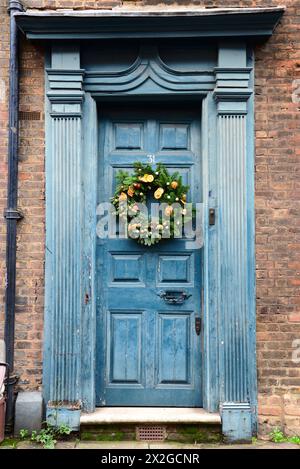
[(195, 434), (107, 433), (106, 436), (181, 433), (10, 442)]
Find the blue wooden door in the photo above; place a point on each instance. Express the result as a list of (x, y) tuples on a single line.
[(148, 351)]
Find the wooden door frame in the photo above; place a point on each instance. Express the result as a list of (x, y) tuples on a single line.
[(226, 94), (201, 89)]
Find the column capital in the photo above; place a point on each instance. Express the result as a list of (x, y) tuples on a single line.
[(232, 74), (65, 92), (65, 79), (232, 89)]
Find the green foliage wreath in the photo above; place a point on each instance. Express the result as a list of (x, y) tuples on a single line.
[(149, 184)]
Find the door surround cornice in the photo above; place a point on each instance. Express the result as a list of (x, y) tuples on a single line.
[(122, 22)]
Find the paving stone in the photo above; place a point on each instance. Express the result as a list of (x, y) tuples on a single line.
[(65, 444), (174, 446), (28, 445), (112, 445), (268, 445)]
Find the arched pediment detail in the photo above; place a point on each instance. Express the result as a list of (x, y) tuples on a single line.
[(148, 68)]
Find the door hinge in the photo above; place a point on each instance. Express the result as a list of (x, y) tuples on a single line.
[(198, 325)]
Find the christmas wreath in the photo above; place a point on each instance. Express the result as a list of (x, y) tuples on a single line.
[(147, 184)]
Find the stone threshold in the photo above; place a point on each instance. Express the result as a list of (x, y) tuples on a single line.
[(143, 415)]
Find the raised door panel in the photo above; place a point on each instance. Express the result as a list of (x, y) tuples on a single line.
[(174, 136), (174, 343), (124, 342), (175, 269)]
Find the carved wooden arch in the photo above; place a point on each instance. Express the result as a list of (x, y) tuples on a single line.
[(149, 66)]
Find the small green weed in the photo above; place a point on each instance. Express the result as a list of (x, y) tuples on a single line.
[(294, 439), (47, 437), (10, 442), (278, 436), (24, 433)]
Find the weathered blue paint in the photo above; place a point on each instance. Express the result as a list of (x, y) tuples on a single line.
[(57, 416), (218, 22), (88, 276), (231, 88), (211, 306), (63, 238), (148, 351), (150, 75), (236, 292), (237, 422), (225, 90)]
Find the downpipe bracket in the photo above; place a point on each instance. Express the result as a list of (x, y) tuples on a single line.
[(13, 214), (15, 5)]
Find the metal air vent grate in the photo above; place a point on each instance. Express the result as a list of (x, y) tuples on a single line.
[(151, 433), (29, 116)]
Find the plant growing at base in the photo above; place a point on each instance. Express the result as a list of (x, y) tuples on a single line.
[(47, 437), (278, 436)]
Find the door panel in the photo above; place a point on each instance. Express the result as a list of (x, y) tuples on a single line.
[(124, 336), (174, 334), (148, 353)]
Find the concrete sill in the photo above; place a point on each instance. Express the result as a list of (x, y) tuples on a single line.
[(159, 415)]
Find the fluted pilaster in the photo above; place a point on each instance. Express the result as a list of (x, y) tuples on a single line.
[(63, 261), (236, 277)]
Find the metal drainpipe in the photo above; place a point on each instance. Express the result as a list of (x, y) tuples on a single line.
[(12, 214)]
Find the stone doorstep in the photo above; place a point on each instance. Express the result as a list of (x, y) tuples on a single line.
[(151, 415)]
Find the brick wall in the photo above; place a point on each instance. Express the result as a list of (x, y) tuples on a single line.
[(30, 239), (277, 206), (4, 51), (278, 224)]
